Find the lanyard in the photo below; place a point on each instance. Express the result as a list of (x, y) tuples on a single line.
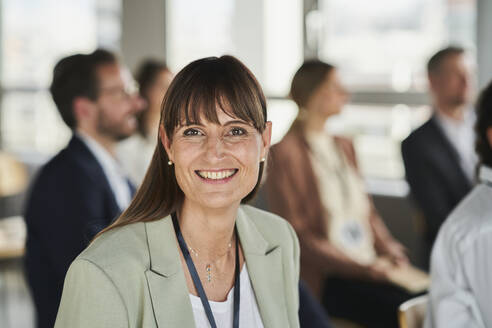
[(198, 283)]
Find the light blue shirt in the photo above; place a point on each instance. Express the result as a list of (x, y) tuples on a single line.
[(461, 263), (113, 171), (461, 135)]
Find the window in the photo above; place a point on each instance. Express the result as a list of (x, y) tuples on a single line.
[(265, 35), (36, 34), (384, 45), (381, 49)]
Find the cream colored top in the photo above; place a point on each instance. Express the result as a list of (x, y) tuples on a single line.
[(135, 154), (344, 199)]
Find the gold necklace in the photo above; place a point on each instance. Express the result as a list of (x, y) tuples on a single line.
[(208, 266)]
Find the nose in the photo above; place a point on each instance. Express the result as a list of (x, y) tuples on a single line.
[(215, 148), (345, 95), (139, 103), (465, 80)]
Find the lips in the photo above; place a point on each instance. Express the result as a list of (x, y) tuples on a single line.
[(216, 174)]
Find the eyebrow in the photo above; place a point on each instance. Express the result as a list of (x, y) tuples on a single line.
[(236, 122), (225, 124)]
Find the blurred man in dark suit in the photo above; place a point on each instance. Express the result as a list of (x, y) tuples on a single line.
[(82, 189), (439, 156)]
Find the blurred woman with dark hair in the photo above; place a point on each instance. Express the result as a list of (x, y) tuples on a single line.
[(461, 265), (135, 153), (313, 181), (187, 252)]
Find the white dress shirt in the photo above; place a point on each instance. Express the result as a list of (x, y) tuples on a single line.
[(462, 136), (113, 171), (249, 315), (135, 154), (461, 263)]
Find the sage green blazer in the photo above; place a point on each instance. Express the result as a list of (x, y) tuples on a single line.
[(132, 276)]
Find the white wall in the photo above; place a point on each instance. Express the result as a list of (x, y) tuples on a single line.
[(484, 42), (143, 31)]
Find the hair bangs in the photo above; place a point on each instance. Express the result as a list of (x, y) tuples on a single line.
[(196, 93), (222, 84)]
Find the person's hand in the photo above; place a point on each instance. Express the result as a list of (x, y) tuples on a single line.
[(379, 270), (395, 252)]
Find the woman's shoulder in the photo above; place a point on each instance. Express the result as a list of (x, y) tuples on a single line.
[(262, 216), (274, 228), (290, 139), (344, 141), (121, 247), (291, 147)]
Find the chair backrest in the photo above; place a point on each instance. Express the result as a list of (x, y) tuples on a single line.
[(411, 314), (13, 175)]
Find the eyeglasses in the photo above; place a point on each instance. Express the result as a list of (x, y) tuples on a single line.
[(126, 92)]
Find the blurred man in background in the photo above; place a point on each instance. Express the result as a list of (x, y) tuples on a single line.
[(82, 189), (461, 291), (439, 156)]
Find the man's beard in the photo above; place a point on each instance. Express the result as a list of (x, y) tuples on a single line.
[(109, 129), (458, 101)]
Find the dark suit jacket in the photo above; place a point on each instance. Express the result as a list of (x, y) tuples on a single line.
[(434, 174), (70, 201)]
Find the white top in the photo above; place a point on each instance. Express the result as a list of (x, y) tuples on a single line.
[(249, 315), (462, 136), (461, 263), (113, 171), (135, 154), (344, 199)]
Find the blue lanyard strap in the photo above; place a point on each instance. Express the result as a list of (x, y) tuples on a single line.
[(198, 283)]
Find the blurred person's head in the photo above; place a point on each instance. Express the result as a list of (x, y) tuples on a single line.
[(153, 78), (449, 79), (317, 90), (483, 127), (213, 116), (96, 95)]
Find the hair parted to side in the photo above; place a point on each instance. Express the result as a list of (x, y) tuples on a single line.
[(146, 76), (194, 94), (484, 122), (434, 63), (307, 79), (76, 76)]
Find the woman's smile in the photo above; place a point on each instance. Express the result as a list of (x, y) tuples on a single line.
[(216, 176), (217, 163)]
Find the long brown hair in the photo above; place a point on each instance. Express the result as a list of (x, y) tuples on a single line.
[(308, 79), (195, 92)]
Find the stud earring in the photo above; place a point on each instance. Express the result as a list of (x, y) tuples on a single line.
[(262, 159), (169, 163)]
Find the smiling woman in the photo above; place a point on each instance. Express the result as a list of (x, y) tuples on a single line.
[(186, 252), (216, 164)]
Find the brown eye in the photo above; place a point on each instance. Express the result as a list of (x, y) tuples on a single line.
[(192, 132), (237, 131)]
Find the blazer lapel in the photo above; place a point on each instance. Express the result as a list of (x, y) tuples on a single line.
[(167, 285), (88, 163), (451, 166), (165, 278), (264, 263)]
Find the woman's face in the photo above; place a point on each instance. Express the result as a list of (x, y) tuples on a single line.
[(329, 98), (217, 165)]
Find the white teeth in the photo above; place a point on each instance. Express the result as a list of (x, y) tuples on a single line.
[(216, 175)]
